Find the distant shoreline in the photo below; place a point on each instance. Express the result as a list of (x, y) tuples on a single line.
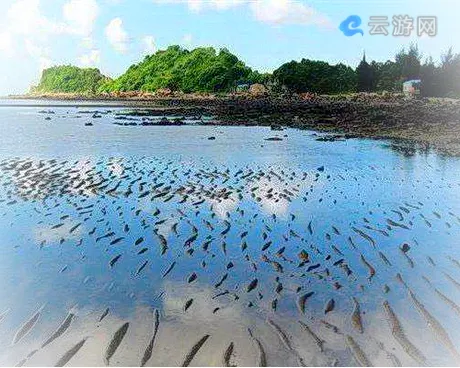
[(426, 124)]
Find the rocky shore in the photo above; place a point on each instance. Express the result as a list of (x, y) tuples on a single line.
[(426, 123)]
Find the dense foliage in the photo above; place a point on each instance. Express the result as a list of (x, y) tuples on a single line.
[(70, 79), (438, 80), (315, 76), (200, 70), (206, 70)]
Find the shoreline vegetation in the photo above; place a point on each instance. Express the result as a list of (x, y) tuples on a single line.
[(361, 102)]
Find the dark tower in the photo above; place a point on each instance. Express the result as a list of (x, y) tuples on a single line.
[(365, 75)]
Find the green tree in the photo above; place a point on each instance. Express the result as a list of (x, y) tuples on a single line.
[(409, 63), (388, 77), (315, 76), (449, 74), (70, 79), (200, 70), (429, 74)]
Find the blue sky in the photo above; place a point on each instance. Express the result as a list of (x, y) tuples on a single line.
[(113, 34)]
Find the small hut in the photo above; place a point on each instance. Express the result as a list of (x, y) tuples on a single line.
[(242, 87), (411, 88)]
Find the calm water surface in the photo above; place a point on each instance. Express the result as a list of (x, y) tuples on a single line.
[(296, 252)]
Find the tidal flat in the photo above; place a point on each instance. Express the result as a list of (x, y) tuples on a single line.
[(170, 240)]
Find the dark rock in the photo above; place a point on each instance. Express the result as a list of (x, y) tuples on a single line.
[(164, 121), (405, 247), (330, 138)]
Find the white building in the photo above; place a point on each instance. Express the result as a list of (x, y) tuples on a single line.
[(411, 88)]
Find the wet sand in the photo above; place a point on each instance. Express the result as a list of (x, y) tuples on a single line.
[(134, 246)]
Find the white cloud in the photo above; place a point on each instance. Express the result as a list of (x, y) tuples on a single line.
[(199, 5), (30, 32), (38, 53), (195, 6), (25, 18), (6, 44), (33, 49), (80, 16), (275, 12), (44, 63), (225, 4), (286, 12), (116, 35), (92, 58), (26, 21), (149, 45)]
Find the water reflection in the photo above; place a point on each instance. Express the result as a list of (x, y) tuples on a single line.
[(235, 247)]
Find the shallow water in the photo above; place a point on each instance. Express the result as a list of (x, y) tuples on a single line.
[(93, 218)]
